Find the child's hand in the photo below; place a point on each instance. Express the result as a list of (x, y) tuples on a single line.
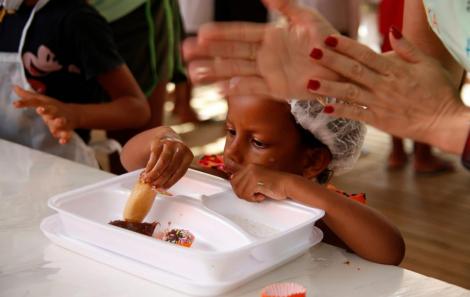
[(256, 183), (169, 160), (58, 116)]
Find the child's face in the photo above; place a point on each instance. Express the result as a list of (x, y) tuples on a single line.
[(263, 132)]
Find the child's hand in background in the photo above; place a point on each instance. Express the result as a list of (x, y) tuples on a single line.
[(256, 183), (169, 160), (58, 116)]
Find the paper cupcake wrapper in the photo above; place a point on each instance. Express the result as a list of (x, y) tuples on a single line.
[(284, 290)]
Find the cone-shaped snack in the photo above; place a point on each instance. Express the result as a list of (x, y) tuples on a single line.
[(139, 203)]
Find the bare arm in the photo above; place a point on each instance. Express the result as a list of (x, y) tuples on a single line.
[(366, 232), (363, 230), (128, 109), (136, 153)]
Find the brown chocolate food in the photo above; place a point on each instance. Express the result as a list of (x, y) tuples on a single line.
[(142, 228)]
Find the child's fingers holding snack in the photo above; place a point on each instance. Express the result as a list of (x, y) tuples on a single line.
[(161, 155), (182, 158), (156, 148), (169, 160), (180, 170)]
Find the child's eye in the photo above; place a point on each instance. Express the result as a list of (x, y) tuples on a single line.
[(231, 131), (258, 144)]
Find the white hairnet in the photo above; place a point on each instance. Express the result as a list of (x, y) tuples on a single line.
[(343, 137)]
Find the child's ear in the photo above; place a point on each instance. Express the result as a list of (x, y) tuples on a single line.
[(315, 161)]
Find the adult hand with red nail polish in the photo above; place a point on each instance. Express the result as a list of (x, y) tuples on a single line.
[(265, 59), (405, 93)]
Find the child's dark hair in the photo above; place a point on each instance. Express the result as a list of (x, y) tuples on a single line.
[(311, 141)]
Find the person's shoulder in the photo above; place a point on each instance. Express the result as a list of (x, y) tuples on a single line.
[(66, 7), (73, 11), (81, 21)]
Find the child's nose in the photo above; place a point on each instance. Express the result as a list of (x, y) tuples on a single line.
[(234, 151)]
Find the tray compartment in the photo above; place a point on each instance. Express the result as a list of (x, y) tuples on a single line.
[(276, 225), (224, 247)]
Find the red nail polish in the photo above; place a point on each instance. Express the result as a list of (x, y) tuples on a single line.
[(313, 85), (316, 53), (328, 109), (395, 32), (331, 41)]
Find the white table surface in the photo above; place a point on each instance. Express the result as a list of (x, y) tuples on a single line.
[(30, 265)]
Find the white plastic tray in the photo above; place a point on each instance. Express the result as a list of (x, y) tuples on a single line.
[(53, 229), (232, 236)]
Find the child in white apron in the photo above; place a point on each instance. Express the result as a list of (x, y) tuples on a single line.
[(68, 55), (24, 126)]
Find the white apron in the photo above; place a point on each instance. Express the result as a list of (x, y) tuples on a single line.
[(24, 126)]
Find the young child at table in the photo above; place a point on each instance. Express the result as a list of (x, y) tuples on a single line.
[(279, 151), (61, 69)]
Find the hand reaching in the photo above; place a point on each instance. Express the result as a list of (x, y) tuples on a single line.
[(169, 160), (58, 116)]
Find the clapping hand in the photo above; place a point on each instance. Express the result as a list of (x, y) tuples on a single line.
[(58, 116), (269, 60)]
